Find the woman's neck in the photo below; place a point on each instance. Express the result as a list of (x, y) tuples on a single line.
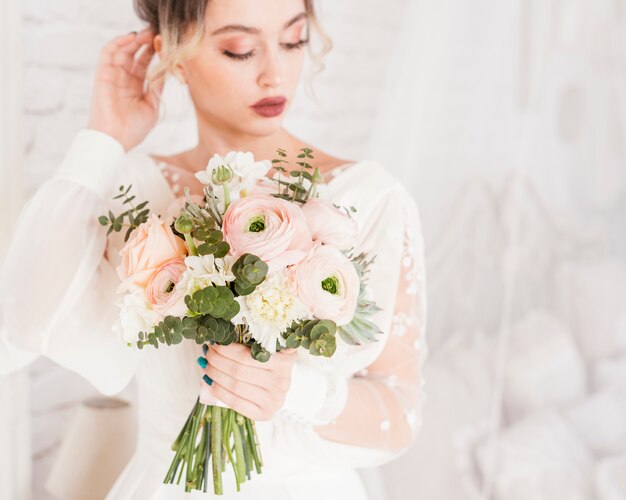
[(262, 147)]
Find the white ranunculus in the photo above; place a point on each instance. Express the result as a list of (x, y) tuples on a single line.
[(269, 310), (206, 270), (136, 315), (247, 170), (246, 173)]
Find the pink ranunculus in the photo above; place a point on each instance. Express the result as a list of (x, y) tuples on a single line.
[(327, 282), (149, 246), (176, 207), (330, 225), (273, 229), (161, 289)]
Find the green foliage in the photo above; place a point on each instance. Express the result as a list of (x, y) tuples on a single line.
[(361, 329), (292, 187), (316, 335), (199, 224), (216, 301), (136, 215), (259, 353), (202, 329), (249, 272)]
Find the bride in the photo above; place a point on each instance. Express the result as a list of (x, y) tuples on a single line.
[(317, 419)]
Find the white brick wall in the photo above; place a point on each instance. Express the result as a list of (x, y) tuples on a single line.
[(62, 40)]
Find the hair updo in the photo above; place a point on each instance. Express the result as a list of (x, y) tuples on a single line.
[(173, 18)]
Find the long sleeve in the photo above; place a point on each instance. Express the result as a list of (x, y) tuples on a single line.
[(373, 416), (58, 286)]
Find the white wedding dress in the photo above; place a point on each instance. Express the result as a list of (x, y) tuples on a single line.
[(58, 286)]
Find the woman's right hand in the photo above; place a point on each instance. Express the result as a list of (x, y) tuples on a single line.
[(120, 107)]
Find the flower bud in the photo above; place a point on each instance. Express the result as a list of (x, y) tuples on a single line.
[(317, 177), (183, 224), (222, 175)]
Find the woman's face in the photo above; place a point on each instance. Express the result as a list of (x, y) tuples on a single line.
[(252, 50)]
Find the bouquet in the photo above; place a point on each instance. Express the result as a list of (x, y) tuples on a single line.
[(261, 261)]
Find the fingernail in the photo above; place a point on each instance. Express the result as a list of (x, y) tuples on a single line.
[(205, 348), (202, 362), (212, 342), (132, 32), (207, 379)]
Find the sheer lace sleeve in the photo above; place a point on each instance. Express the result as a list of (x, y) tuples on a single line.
[(58, 286), (393, 383), (372, 416)]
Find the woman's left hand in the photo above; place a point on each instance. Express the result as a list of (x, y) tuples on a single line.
[(256, 390)]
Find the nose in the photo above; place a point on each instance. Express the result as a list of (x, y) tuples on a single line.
[(272, 71)]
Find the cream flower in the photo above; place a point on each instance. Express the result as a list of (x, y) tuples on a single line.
[(246, 173), (206, 270), (270, 309), (136, 315)]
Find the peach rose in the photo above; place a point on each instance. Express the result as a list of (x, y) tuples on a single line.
[(162, 292), (149, 246), (330, 225), (273, 229), (327, 282)]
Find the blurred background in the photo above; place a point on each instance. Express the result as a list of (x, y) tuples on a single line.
[(507, 121)]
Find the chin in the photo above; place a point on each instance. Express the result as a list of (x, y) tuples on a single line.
[(264, 126)]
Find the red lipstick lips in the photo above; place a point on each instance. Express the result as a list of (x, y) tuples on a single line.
[(270, 106)]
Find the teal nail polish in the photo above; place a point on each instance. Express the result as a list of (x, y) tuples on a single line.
[(205, 348), (202, 362), (207, 379)]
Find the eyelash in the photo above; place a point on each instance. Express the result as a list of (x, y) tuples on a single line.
[(288, 46)]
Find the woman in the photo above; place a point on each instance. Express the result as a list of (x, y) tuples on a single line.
[(317, 419)]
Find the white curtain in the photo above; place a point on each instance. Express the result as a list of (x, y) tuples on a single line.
[(508, 122)]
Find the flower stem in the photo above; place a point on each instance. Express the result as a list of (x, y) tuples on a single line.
[(226, 195), (216, 434), (216, 448), (192, 245), (240, 458)]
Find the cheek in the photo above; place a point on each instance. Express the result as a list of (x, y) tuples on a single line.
[(216, 78), (294, 65)]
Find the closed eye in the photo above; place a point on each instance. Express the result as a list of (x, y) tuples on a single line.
[(232, 55), (247, 55), (297, 45)]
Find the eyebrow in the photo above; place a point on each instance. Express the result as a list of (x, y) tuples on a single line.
[(254, 31)]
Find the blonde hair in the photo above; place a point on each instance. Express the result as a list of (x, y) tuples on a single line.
[(172, 19)]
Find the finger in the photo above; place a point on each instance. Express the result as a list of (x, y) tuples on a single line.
[(127, 57), (128, 43), (124, 60), (243, 406), (251, 392), (154, 92), (239, 352), (140, 66), (244, 373)]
